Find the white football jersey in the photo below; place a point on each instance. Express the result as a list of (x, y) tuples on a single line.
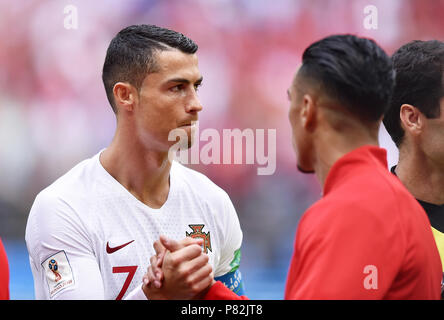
[(88, 237)]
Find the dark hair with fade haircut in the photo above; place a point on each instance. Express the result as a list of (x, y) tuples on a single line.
[(419, 67), (354, 71), (131, 54)]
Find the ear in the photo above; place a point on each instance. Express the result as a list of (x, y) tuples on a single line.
[(125, 96), (308, 112), (411, 119)]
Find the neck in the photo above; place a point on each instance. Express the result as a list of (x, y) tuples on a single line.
[(333, 145), (144, 173), (421, 176)]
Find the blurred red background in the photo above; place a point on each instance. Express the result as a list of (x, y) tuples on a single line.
[(54, 112)]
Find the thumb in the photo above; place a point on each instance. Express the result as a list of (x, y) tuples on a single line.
[(173, 245), (169, 244)]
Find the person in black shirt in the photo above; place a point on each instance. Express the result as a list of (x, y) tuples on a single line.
[(415, 121)]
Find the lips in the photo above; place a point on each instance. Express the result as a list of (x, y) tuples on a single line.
[(188, 123)]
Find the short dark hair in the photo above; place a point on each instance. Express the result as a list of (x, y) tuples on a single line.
[(131, 54), (353, 71), (419, 67)]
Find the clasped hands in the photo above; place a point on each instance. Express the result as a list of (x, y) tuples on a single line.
[(179, 270)]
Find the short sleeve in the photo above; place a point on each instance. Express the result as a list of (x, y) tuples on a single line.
[(61, 256), (231, 250)]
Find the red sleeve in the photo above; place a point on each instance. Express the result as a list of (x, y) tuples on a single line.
[(220, 292), (4, 274), (344, 252)]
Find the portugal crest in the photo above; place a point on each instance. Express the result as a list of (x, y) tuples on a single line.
[(197, 233)]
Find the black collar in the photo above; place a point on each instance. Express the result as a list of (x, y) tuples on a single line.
[(434, 212)]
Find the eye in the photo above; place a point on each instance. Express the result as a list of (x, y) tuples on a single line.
[(197, 86), (177, 88)]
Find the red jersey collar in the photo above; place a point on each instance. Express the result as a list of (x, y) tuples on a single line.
[(351, 163)]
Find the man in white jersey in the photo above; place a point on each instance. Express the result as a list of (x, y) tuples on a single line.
[(90, 234)]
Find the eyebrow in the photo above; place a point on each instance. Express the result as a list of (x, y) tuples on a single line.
[(186, 81)]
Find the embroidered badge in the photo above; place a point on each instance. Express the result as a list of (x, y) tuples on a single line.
[(58, 273), (197, 233)]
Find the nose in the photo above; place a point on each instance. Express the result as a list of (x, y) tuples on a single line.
[(194, 104)]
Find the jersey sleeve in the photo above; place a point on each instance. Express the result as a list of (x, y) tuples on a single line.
[(227, 270), (219, 291), (60, 253), (346, 253), (136, 294), (4, 274)]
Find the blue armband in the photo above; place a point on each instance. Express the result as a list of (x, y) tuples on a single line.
[(233, 281)]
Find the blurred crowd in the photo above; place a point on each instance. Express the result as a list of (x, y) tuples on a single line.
[(54, 112)]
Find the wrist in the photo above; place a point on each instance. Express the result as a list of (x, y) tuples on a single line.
[(201, 296), (151, 293), (145, 291)]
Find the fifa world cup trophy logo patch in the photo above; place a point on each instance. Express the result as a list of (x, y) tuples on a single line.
[(197, 233), (53, 266)]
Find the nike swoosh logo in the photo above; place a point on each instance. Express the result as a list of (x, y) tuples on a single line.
[(112, 250)]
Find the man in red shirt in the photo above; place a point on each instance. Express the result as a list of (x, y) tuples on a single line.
[(367, 238), (4, 274)]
